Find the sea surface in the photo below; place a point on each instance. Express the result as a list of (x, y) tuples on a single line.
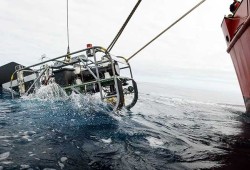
[(169, 128)]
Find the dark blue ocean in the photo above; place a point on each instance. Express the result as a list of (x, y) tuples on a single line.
[(169, 128)]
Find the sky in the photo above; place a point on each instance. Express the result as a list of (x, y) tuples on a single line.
[(192, 53)]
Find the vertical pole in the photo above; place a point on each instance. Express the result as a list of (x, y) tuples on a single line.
[(97, 74)]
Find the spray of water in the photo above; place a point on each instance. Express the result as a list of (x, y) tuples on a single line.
[(49, 92), (53, 95)]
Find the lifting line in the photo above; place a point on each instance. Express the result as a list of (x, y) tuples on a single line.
[(68, 50), (183, 16), (123, 27)]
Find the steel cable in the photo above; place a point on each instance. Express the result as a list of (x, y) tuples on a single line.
[(183, 16)]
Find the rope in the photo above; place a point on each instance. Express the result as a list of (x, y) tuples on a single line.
[(123, 27), (183, 16), (68, 51)]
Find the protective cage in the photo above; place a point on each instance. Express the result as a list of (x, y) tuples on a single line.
[(88, 71)]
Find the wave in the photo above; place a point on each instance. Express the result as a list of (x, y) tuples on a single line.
[(50, 129)]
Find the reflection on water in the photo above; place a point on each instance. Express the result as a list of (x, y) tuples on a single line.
[(238, 147), (162, 131)]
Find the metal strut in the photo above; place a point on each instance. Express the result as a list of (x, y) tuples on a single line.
[(123, 27), (183, 16)]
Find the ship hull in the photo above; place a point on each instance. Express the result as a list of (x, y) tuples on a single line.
[(237, 35)]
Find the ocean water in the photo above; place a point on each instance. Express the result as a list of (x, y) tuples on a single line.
[(169, 128)]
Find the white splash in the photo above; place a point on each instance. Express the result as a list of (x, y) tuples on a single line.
[(49, 92), (87, 102), (7, 162), (4, 137), (53, 92), (155, 142), (63, 159), (4, 156), (25, 167), (106, 140), (27, 138), (61, 165)]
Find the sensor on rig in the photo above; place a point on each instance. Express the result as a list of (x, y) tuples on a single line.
[(90, 51)]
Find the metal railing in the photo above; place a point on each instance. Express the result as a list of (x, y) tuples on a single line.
[(85, 62)]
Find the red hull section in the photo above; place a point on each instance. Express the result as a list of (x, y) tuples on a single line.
[(237, 34)]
